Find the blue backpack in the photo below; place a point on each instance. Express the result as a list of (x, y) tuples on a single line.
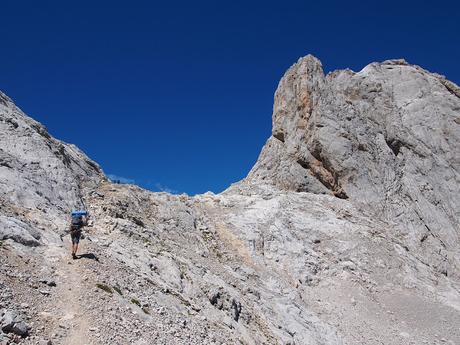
[(77, 219)]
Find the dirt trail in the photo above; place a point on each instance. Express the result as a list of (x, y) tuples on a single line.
[(69, 321)]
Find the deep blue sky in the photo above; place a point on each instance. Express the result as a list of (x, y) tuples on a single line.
[(178, 95)]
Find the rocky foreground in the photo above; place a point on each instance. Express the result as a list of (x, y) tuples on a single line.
[(346, 231)]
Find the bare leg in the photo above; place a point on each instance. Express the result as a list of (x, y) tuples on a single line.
[(74, 249)]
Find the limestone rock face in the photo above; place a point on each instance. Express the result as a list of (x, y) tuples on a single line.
[(41, 178), (386, 138), (18, 231), (344, 232)]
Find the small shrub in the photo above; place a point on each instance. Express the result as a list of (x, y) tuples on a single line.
[(146, 241), (105, 288), (118, 290), (136, 302)]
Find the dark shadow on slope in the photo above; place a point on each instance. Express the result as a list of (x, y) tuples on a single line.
[(90, 256)]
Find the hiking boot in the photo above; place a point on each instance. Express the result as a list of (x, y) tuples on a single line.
[(74, 256)]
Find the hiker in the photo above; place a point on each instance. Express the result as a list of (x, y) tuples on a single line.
[(79, 220)]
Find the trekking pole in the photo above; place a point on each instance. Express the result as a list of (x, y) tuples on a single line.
[(62, 235)]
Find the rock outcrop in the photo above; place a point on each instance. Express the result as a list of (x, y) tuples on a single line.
[(42, 178), (344, 232), (386, 138), (11, 322)]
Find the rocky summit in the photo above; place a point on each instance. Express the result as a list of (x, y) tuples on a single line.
[(346, 230)]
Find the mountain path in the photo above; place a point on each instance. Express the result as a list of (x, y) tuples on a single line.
[(70, 322)]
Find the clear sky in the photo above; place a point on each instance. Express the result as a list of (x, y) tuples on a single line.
[(178, 95)]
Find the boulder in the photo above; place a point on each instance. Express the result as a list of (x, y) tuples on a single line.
[(18, 231), (11, 322)]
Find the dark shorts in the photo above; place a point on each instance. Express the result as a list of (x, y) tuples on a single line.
[(75, 236)]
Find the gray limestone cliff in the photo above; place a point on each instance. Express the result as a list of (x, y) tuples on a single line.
[(387, 139), (42, 179)]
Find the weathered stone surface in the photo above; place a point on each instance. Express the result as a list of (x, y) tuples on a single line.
[(18, 231), (41, 178), (11, 322), (387, 138), (344, 232)]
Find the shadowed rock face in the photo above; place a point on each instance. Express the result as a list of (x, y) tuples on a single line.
[(386, 138), (344, 232)]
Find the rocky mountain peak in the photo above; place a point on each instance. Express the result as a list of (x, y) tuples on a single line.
[(386, 138)]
